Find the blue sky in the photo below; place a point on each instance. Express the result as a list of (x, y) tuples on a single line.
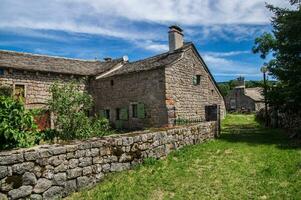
[(222, 30)]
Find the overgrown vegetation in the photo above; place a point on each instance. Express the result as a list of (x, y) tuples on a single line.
[(70, 107), (17, 125), (248, 161)]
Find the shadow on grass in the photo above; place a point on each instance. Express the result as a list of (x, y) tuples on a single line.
[(254, 134)]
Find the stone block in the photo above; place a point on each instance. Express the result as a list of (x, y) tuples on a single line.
[(59, 179), (54, 192), (42, 185), (11, 159), (23, 167), (22, 191), (29, 178), (85, 161), (31, 155), (3, 171), (74, 173)]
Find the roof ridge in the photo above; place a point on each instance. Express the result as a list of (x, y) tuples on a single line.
[(49, 56)]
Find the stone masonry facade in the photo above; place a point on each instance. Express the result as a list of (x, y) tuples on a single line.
[(147, 87), (189, 100), (36, 84), (55, 171)]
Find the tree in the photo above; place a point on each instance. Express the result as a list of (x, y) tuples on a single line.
[(70, 107), (285, 45), (17, 125)]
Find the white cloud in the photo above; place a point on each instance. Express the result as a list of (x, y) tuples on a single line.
[(226, 54), (117, 18), (227, 67)]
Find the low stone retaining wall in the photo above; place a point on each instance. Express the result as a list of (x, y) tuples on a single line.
[(54, 171)]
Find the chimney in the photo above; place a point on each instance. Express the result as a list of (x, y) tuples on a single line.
[(175, 36), (241, 82)]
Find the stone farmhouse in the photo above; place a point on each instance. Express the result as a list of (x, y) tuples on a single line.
[(153, 92), (242, 99)]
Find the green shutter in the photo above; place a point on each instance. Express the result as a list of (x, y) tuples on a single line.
[(194, 80), (102, 113), (118, 124), (141, 111), (124, 114)]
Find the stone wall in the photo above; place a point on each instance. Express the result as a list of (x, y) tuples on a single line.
[(119, 92), (36, 84), (186, 99), (54, 171)]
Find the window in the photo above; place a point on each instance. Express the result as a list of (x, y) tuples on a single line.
[(117, 114), (134, 110), (232, 103), (212, 92), (19, 92), (196, 80), (1, 71), (112, 82), (107, 113)]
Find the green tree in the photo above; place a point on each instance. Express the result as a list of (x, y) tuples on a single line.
[(17, 125), (284, 43), (70, 106)]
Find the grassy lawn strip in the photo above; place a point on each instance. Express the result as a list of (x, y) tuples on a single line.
[(246, 162)]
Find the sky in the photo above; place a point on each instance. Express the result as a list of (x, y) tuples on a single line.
[(222, 30)]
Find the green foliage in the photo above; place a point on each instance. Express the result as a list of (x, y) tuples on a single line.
[(71, 106), (17, 126), (6, 91), (224, 88), (284, 43)]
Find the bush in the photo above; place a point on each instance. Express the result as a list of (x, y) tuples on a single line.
[(6, 91), (17, 125), (71, 106)]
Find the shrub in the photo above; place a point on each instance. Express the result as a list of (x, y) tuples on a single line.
[(17, 126), (6, 91), (71, 106)]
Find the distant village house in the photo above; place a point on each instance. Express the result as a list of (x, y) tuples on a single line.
[(242, 99)]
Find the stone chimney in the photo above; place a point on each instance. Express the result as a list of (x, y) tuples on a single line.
[(175, 36), (241, 81), (240, 87)]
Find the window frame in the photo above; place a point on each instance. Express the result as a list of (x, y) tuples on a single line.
[(25, 89), (2, 72), (134, 109), (117, 112)]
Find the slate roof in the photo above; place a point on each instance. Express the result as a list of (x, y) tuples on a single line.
[(154, 62), (43, 63), (254, 93)]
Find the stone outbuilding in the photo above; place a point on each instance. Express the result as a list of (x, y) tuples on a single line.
[(159, 91), (242, 99)]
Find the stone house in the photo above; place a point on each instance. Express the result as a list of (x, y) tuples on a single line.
[(152, 92), (242, 99)]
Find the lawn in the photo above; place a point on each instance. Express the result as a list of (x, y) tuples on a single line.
[(246, 162)]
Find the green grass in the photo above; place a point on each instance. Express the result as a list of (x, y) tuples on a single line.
[(246, 162)]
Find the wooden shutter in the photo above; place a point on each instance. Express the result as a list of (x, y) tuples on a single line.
[(102, 113), (194, 80), (124, 114), (141, 111)]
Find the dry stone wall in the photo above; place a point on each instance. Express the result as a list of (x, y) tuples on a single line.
[(54, 171)]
